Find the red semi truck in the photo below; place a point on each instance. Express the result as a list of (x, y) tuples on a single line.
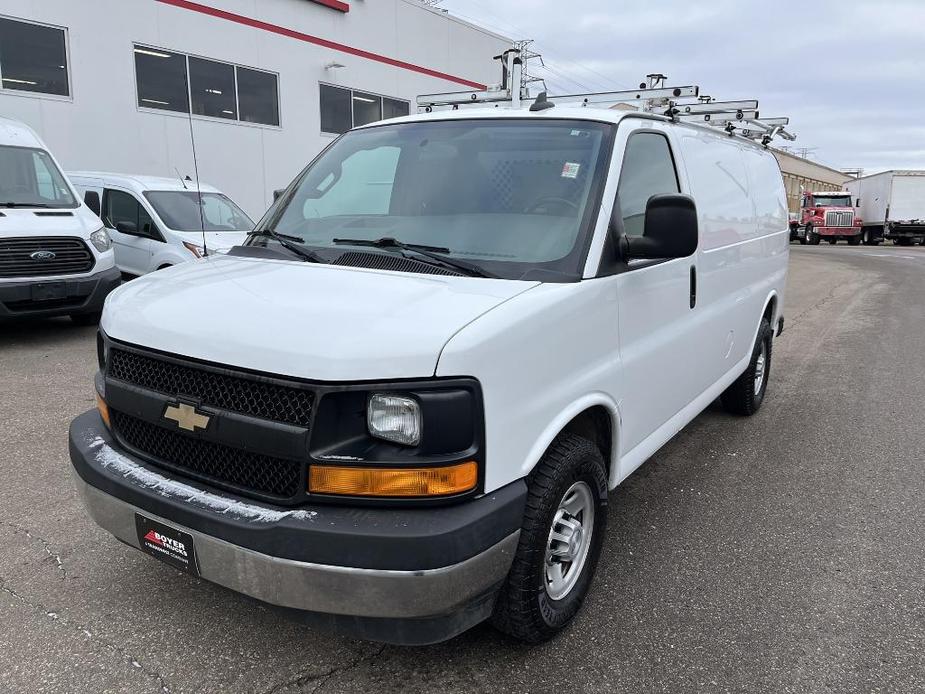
[(827, 215)]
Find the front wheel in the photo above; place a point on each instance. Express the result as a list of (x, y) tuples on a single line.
[(745, 395), (854, 240), (560, 541), (812, 238)]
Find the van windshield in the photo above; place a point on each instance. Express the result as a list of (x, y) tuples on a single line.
[(30, 178), (179, 209), (512, 196)]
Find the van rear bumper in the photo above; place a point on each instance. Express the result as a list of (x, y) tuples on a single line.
[(389, 583), (77, 295)]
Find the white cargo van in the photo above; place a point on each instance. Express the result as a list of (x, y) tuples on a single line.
[(400, 407), (157, 222), (55, 256)]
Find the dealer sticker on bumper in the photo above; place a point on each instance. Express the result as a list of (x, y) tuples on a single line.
[(167, 544)]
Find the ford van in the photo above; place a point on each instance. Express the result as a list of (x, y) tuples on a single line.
[(56, 257), (156, 223), (399, 408)]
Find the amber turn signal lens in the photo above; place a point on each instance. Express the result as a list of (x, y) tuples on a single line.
[(104, 410), (394, 482)]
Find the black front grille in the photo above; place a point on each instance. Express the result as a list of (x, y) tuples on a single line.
[(212, 462), (71, 257), (245, 395)]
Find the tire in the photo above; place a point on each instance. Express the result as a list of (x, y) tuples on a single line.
[(904, 241), (532, 607), (832, 241), (803, 238), (86, 318), (812, 238), (745, 395), (854, 240)]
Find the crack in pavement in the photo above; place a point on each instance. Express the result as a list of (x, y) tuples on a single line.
[(46, 545), (80, 629), (322, 679)]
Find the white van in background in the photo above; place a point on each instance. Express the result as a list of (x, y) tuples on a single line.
[(55, 256), (156, 222)]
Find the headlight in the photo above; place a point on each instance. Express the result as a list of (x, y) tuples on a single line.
[(197, 251), (394, 418), (101, 240)]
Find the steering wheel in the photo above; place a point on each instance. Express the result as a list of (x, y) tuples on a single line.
[(547, 200)]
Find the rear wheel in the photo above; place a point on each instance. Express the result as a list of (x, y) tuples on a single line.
[(745, 395), (560, 541), (904, 241)]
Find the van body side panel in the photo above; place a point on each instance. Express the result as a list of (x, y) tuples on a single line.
[(536, 356), (744, 241)]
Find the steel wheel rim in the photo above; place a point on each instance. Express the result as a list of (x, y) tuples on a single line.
[(569, 540), (761, 368)]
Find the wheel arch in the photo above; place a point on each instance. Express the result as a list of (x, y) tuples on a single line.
[(596, 417)]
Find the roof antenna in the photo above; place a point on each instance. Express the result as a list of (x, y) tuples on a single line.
[(180, 176), (192, 138), (542, 103)]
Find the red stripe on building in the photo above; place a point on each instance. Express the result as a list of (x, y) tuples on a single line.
[(307, 38), (334, 5)]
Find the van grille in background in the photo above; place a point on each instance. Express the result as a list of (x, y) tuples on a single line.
[(835, 218), (71, 257)]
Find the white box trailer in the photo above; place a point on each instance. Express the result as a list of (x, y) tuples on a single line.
[(892, 204)]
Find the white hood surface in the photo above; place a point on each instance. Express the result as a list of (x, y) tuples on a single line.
[(301, 319), (216, 240)]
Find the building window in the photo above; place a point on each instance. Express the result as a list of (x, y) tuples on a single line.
[(258, 97), (212, 89), (33, 58), (172, 81), (161, 79), (342, 109)]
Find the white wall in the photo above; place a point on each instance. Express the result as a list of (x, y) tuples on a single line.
[(101, 127)]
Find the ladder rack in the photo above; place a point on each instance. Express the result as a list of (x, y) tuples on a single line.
[(680, 104)]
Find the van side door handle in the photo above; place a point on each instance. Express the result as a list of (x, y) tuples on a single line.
[(693, 286)]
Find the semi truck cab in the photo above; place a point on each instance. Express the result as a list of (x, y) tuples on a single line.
[(829, 215)]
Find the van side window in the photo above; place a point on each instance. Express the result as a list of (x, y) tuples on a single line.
[(648, 169), (123, 207)]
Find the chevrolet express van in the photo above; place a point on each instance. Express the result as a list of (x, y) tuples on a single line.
[(157, 222), (399, 408), (56, 258)]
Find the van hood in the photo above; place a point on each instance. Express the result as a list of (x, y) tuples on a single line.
[(299, 319), (20, 223)]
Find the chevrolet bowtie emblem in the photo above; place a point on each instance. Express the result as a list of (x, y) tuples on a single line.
[(186, 417)]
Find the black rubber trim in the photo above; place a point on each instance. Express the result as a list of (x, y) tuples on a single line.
[(403, 539)]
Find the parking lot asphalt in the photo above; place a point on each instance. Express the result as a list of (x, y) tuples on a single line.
[(781, 553)]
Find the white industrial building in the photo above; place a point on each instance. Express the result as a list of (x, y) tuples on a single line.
[(110, 84)]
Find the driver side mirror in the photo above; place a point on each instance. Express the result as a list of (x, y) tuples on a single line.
[(127, 228), (92, 200), (670, 231)]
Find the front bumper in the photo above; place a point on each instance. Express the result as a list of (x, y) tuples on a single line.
[(399, 575), (80, 295), (837, 231)]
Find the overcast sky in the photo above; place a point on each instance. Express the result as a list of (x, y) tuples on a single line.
[(850, 74)]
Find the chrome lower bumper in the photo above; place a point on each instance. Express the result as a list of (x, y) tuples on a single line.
[(321, 588)]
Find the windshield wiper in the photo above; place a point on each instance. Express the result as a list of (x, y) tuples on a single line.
[(435, 254), (11, 205), (292, 244)]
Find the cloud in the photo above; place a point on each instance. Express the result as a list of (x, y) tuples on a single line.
[(849, 74)]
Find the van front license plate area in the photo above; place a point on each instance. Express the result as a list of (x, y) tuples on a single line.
[(49, 291), (170, 545)]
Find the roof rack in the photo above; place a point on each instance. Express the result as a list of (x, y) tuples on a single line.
[(680, 104)]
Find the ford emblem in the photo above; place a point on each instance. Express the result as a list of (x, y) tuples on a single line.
[(43, 255)]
